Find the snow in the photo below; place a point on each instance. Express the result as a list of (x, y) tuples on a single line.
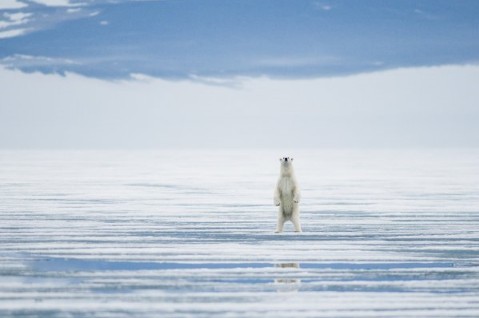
[(190, 233)]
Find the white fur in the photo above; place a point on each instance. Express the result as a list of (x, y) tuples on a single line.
[(287, 195)]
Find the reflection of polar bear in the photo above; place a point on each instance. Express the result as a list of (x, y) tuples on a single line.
[(288, 280), (286, 196)]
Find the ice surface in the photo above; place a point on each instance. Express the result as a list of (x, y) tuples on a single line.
[(190, 234)]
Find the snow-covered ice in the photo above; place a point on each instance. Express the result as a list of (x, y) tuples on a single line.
[(387, 233)]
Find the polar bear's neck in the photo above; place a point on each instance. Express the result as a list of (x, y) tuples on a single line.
[(287, 171)]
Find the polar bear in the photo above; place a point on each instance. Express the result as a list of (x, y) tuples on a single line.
[(286, 196)]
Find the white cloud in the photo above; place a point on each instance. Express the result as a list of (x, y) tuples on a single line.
[(407, 107), (14, 19), (12, 33), (141, 77), (426, 15), (14, 23), (235, 82), (75, 10), (18, 16), (57, 3), (21, 60), (11, 4), (322, 6)]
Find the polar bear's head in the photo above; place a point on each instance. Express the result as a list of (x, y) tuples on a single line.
[(286, 165), (286, 160)]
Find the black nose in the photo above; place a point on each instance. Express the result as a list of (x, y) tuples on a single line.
[(285, 159)]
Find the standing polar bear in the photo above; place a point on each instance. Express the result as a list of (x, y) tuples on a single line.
[(286, 196)]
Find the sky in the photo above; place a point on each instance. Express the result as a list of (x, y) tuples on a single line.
[(238, 73)]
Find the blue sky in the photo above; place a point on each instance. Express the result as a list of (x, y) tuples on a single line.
[(280, 74), (228, 38)]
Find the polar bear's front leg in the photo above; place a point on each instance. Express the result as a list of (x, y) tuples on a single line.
[(296, 195), (276, 199)]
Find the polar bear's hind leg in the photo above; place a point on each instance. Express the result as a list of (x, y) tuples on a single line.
[(295, 219), (281, 220)]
